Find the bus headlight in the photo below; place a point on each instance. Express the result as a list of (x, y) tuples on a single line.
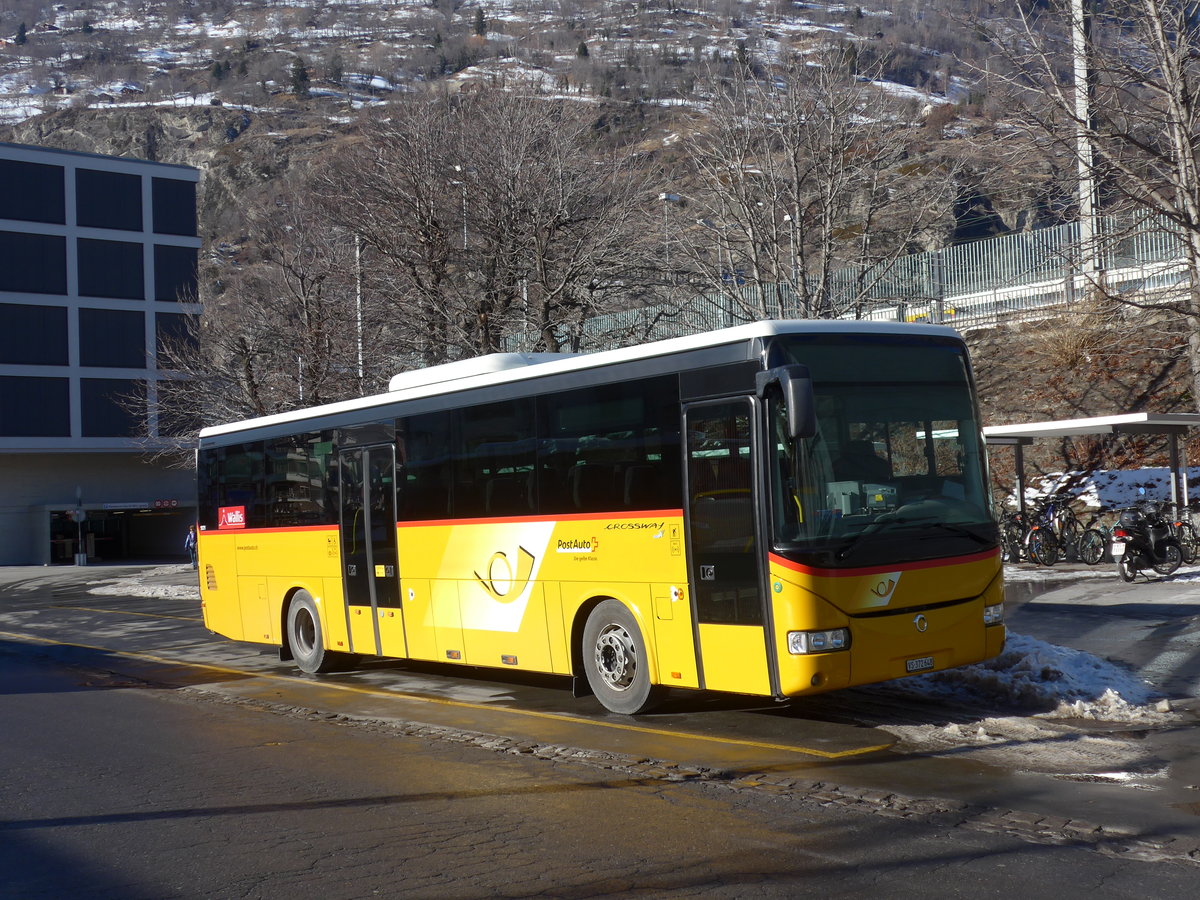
[(818, 641), (993, 615)]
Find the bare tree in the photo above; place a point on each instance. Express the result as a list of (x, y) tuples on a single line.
[(1138, 137), (497, 219), (284, 327), (802, 172)]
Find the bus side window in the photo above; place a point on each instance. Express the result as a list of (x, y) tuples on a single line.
[(592, 487), (641, 487), (426, 493)]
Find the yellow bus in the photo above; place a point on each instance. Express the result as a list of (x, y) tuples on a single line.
[(773, 509)]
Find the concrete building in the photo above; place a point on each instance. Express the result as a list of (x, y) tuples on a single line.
[(98, 262)]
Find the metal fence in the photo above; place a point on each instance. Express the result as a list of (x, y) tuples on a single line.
[(972, 285)]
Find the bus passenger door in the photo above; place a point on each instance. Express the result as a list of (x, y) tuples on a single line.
[(369, 562), (724, 547)]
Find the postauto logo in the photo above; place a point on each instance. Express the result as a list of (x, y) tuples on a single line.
[(231, 517)]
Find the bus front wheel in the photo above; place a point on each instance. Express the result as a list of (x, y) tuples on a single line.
[(305, 637), (614, 658)]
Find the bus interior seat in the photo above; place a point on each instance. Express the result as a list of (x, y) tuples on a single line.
[(733, 474), (858, 461), (641, 487), (508, 494), (726, 473), (591, 486), (425, 498)]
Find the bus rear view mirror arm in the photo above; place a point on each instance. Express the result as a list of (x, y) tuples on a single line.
[(796, 385)]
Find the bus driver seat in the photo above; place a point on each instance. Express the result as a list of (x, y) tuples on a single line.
[(859, 462)]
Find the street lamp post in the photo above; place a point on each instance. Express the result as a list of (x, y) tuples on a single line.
[(80, 517), (1081, 39), (666, 198), (791, 227), (462, 183), (358, 307)]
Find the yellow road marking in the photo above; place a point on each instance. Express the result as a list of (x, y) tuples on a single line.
[(126, 612), (459, 704)]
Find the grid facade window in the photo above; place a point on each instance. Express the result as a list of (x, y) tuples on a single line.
[(33, 335), (33, 263), (108, 200), (173, 332), (96, 255), (111, 269), (112, 407), (32, 192), (175, 273), (35, 407), (174, 205), (112, 337)]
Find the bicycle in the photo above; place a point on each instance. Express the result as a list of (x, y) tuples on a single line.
[(1012, 536), (1180, 519), (1093, 543), (1054, 530), (1065, 524), (1042, 546)]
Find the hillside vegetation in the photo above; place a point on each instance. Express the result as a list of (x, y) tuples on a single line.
[(493, 175)]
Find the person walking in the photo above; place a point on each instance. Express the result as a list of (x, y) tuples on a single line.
[(189, 544)]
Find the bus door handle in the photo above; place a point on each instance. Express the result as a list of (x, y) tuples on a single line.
[(708, 573)]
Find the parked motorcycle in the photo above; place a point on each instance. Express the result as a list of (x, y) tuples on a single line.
[(1143, 539)]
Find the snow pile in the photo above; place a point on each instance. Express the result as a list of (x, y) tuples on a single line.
[(1051, 692), (141, 584), (1109, 489), (1042, 574), (1057, 682)]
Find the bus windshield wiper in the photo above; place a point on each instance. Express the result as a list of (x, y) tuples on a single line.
[(963, 530), (881, 525)]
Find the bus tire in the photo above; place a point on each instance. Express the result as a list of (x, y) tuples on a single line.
[(305, 636), (615, 661)]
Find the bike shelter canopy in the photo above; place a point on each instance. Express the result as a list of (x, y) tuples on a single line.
[(1172, 425)]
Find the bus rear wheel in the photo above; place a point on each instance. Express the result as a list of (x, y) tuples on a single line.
[(614, 659), (305, 637)]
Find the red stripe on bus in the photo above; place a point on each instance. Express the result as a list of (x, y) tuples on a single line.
[(571, 517), (879, 570)]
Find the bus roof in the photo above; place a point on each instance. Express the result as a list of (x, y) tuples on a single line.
[(502, 368)]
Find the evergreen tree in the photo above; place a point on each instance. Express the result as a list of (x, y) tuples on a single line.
[(582, 51), (300, 78), (21, 38), (480, 22), (335, 70)]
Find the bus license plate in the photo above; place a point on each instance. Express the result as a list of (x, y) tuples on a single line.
[(919, 665), (1118, 549)]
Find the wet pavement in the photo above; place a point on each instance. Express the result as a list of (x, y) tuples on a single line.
[(836, 745)]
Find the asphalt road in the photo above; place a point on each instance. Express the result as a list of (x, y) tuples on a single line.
[(120, 791), (149, 759)]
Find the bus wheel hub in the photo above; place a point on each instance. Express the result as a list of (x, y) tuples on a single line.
[(615, 659)]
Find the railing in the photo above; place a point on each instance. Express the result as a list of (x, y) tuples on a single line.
[(984, 283)]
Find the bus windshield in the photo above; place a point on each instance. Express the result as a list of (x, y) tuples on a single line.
[(896, 470)]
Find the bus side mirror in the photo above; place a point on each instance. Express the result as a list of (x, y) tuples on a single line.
[(795, 384)]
